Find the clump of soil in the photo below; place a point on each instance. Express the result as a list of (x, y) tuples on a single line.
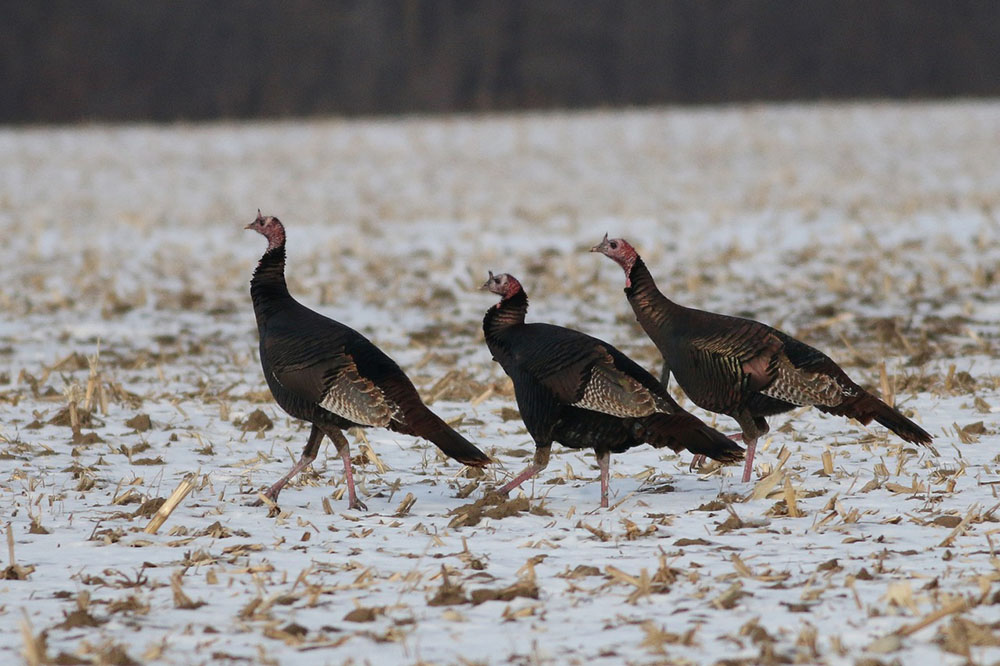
[(140, 422), (85, 418), (257, 421), (492, 505)]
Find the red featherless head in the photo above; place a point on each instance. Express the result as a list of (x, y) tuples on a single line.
[(619, 250), (503, 285), (270, 228)]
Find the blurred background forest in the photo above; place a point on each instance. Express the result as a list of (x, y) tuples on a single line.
[(69, 61)]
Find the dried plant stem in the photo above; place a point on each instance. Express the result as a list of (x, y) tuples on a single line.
[(929, 619), (34, 645), (182, 490), (10, 544)]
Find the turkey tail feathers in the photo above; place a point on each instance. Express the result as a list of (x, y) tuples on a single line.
[(451, 443), (892, 419), (684, 431), (867, 408)]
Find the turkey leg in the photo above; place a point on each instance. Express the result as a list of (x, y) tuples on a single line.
[(699, 458), (308, 455), (748, 465), (603, 461), (344, 449), (539, 463)]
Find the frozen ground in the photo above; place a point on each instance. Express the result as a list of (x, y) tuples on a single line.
[(868, 230)]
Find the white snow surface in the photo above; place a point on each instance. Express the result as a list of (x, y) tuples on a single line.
[(868, 230)]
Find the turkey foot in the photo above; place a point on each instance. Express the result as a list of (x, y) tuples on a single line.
[(272, 492), (699, 459)]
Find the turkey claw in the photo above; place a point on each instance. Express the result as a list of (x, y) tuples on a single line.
[(265, 498)]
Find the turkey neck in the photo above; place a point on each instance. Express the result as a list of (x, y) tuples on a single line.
[(267, 286), (508, 312), (652, 308)]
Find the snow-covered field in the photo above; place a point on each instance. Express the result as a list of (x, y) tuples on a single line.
[(867, 230)]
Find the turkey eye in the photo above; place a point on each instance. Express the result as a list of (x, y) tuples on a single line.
[(614, 245)]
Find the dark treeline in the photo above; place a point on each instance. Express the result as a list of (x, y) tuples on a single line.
[(70, 60)]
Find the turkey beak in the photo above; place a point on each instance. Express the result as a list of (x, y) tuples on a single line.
[(260, 218), (600, 246), (486, 285)]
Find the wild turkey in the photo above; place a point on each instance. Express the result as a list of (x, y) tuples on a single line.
[(585, 394), (743, 368), (330, 375)]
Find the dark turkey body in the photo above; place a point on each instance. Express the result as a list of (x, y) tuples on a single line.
[(297, 337), (562, 357), (324, 372), (328, 374), (749, 370), (718, 380)]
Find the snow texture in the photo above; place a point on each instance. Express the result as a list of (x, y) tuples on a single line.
[(129, 363)]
